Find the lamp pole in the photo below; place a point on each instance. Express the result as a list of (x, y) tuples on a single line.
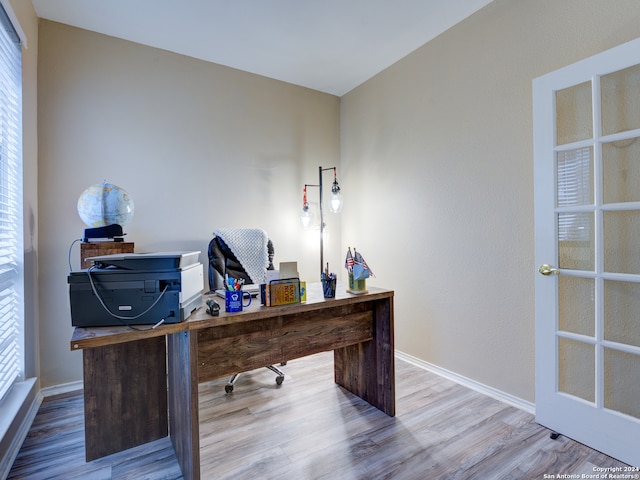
[(335, 190), (320, 170)]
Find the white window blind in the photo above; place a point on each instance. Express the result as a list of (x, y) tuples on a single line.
[(11, 233), (575, 187)]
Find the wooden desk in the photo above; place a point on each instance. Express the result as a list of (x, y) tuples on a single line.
[(126, 371)]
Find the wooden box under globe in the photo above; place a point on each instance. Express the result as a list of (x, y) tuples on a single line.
[(95, 249)]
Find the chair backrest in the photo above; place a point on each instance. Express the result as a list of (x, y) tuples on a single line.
[(239, 253)]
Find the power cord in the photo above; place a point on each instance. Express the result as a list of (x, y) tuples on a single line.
[(124, 319), (70, 248)]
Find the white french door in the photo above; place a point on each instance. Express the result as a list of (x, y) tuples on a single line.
[(587, 226)]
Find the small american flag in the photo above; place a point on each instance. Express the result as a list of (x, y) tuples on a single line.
[(348, 262)]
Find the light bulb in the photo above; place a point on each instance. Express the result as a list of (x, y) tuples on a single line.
[(336, 197), (305, 216), (336, 202)]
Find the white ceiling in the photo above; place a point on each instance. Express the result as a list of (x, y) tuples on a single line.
[(327, 45)]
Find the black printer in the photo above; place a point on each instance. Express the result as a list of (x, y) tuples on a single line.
[(136, 289)]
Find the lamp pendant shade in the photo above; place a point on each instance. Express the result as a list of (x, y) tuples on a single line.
[(336, 196), (336, 202), (305, 216)]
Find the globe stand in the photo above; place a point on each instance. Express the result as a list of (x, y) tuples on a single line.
[(111, 232)]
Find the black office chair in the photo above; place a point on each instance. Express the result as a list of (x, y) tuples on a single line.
[(241, 253)]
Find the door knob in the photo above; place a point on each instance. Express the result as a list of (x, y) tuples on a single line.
[(548, 270)]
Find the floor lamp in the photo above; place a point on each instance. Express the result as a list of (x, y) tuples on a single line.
[(335, 207)]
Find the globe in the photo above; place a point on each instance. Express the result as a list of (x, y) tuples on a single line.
[(105, 204)]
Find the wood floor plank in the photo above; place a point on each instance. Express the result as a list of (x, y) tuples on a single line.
[(311, 429)]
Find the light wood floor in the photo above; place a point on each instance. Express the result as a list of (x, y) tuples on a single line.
[(309, 428)]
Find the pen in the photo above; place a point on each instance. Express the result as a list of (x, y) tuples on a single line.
[(229, 282)]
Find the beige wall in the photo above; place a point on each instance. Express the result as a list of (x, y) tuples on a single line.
[(197, 145), (439, 147), (435, 158)]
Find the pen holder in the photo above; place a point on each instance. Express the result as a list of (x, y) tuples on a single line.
[(356, 286), (329, 287)]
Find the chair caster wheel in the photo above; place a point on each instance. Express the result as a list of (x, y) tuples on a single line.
[(279, 380), (228, 388)]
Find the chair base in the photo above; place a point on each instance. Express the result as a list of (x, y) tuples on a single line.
[(228, 388)]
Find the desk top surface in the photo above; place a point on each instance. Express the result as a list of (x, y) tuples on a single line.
[(100, 336)]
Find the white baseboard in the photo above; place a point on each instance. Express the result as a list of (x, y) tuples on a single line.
[(467, 382), (62, 388)]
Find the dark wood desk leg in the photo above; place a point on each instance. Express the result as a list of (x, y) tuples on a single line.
[(125, 396), (183, 402), (368, 369)]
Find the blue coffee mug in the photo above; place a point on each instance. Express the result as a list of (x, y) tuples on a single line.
[(233, 300)]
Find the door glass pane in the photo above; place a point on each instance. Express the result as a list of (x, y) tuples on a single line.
[(574, 173), (621, 235), (576, 305), (621, 171), (622, 382), (621, 100), (576, 368), (575, 241), (573, 114), (622, 312)]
